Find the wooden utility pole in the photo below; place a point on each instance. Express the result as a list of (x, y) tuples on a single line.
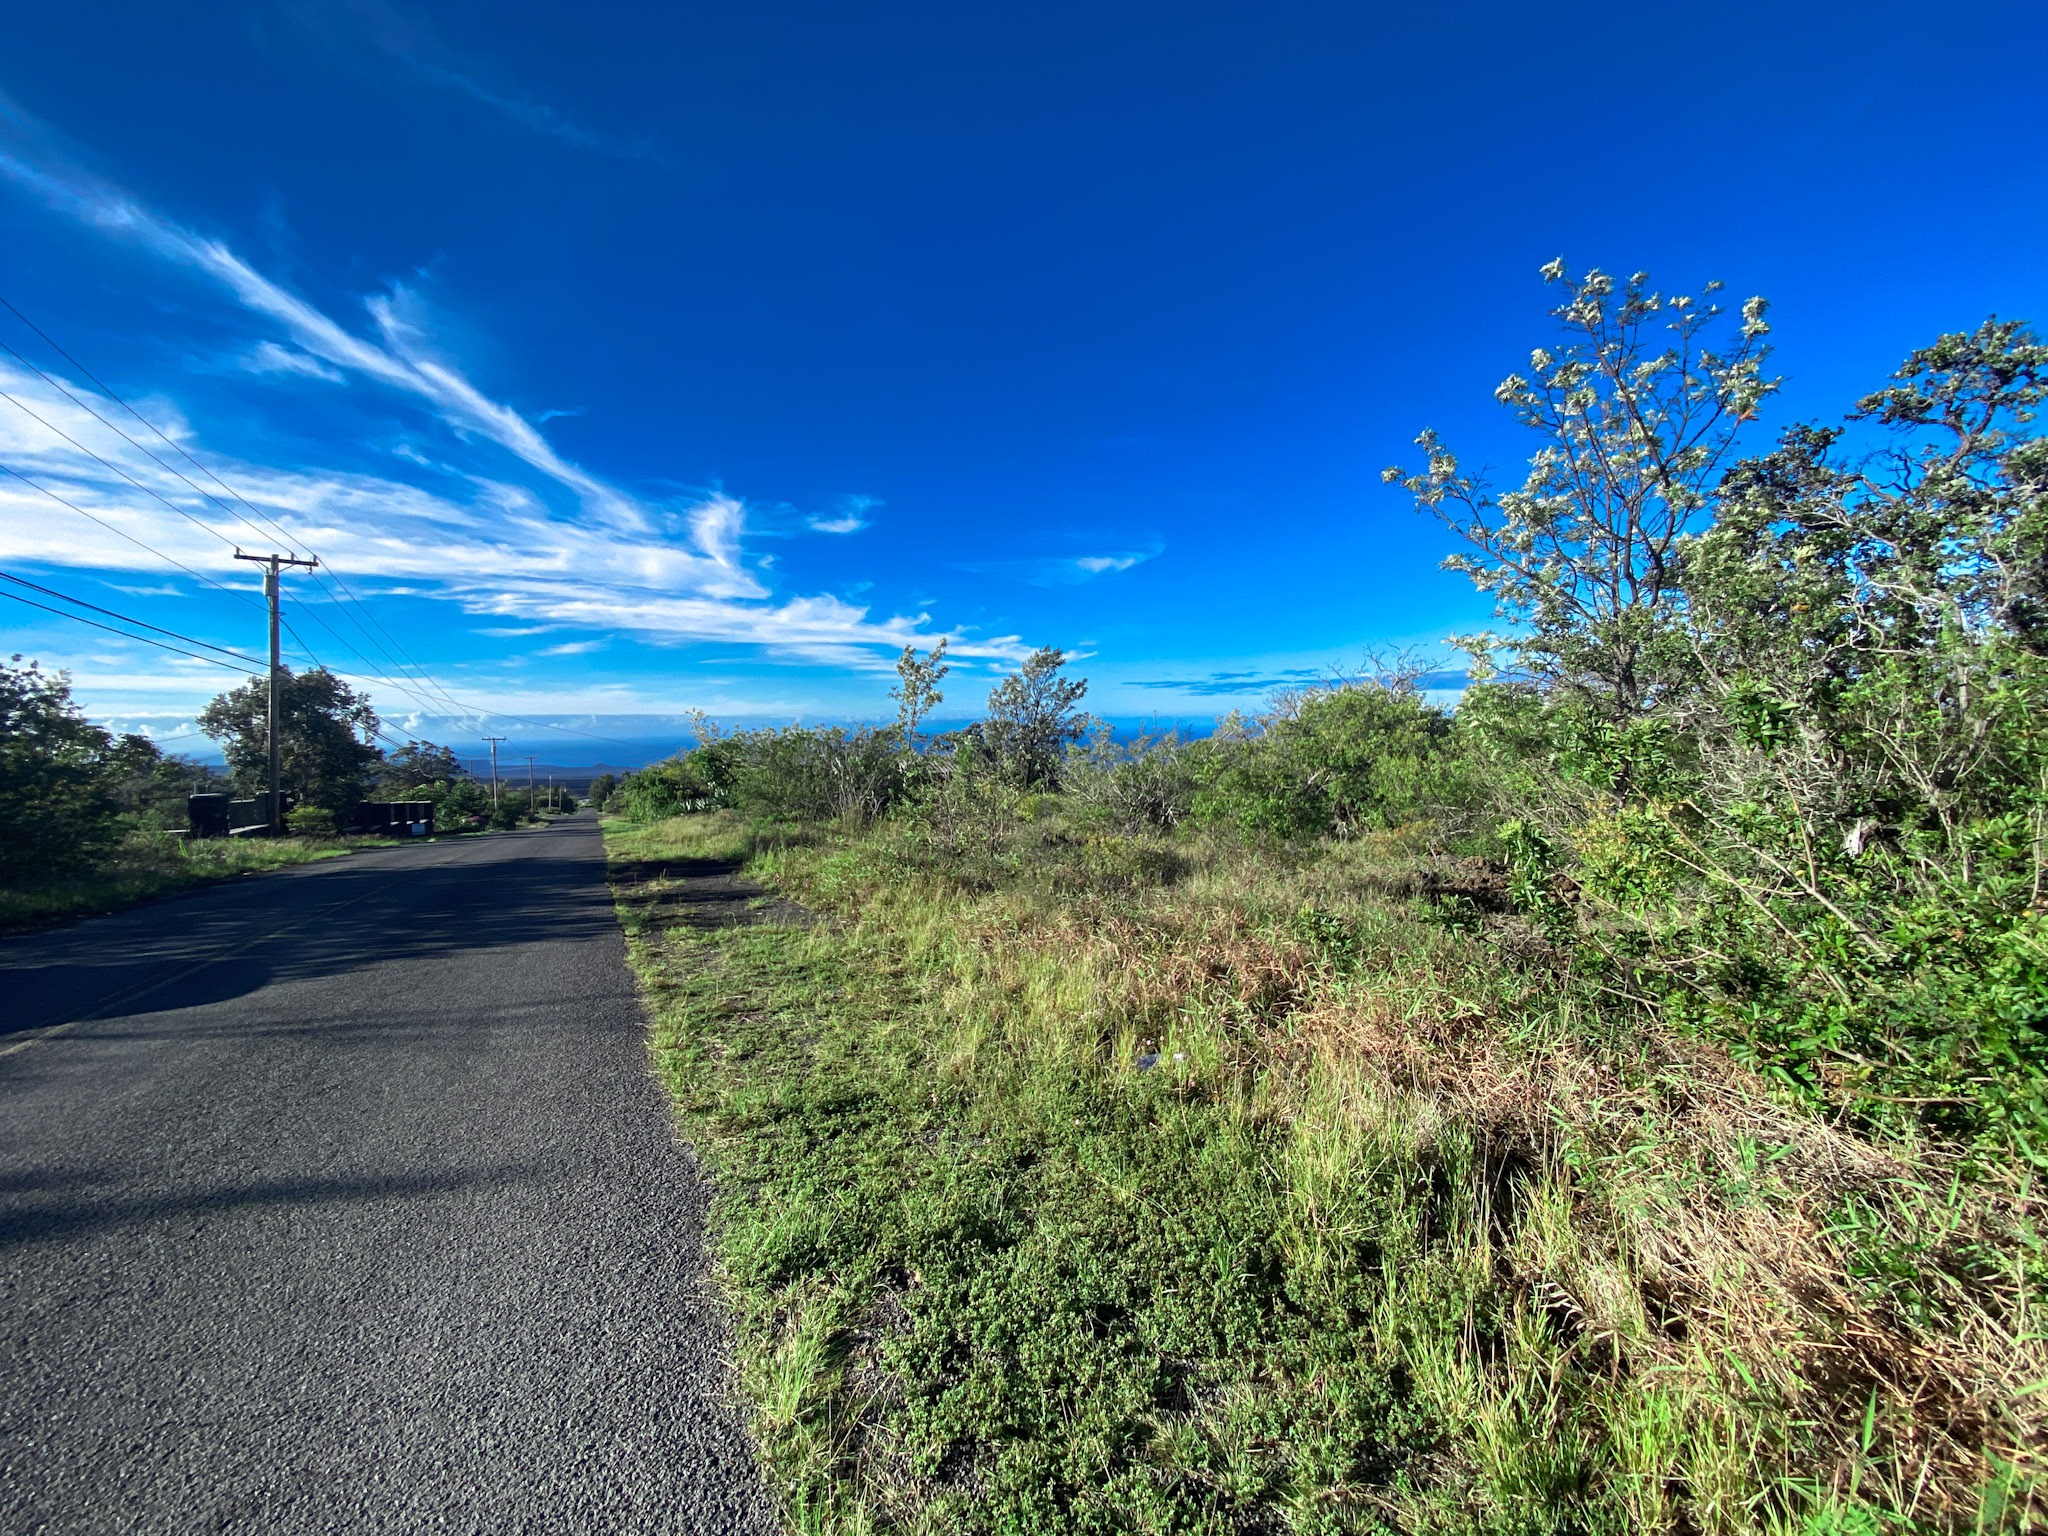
[(494, 740), (272, 587), (532, 805)]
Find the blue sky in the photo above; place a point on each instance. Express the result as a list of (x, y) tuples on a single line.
[(663, 357)]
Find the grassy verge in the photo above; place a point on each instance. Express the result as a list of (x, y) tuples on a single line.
[(1105, 1184), (147, 868)]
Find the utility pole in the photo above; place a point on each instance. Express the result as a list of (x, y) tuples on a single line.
[(532, 807), (271, 589), (494, 740)]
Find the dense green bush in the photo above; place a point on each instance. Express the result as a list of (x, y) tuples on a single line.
[(663, 789), (1033, 716), (797, 773), (1338, 762), (800, 774), (70, 792), (1148, 781), (1864, 838), (457, 806), (1781, 763)]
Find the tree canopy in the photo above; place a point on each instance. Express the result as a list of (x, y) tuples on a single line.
[(418, 764), (57, 806), (1032, 716), (327, 752)]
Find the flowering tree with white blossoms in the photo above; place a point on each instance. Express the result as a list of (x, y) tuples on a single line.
[(1641, 415)]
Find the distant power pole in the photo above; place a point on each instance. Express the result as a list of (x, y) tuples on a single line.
[(532, 805), (271, 587), (494, 740)]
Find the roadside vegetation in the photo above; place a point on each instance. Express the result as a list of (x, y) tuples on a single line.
[(142, 867), (90, 821), (1615, 1105)]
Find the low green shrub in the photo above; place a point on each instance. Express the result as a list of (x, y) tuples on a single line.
[(310, 821), (461, 806)]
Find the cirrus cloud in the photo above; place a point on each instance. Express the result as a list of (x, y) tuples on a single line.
[(483, 512)]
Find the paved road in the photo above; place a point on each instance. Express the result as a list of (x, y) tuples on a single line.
[(340, 1200)]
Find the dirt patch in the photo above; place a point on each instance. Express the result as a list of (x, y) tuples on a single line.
[(700, 893)]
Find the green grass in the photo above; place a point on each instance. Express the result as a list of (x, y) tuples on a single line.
[(1399, 1233), (148, 867), (1055, 1309)]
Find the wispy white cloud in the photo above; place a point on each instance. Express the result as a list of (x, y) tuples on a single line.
[(269, 357), (494, 546), (476, 518), (496, 553), (538, 116), (405, 35), (1064, 570), (718, 523), (573, 648), (851, 517), (402, 358)]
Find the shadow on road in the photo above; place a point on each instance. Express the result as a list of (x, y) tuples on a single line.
[(30, 1223), (226, 944)]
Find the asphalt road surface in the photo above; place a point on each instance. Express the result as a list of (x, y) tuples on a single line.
[(340, 1199)]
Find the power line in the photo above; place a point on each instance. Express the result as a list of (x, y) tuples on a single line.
[(175, 447), (127, 618), (147, 490), (450, 701), (307, 649), (375, 677), (437, 694), (79, 618), (143, 449), (86, 406), (233, 592), (419, 672), (117, 469), (447, 699)]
